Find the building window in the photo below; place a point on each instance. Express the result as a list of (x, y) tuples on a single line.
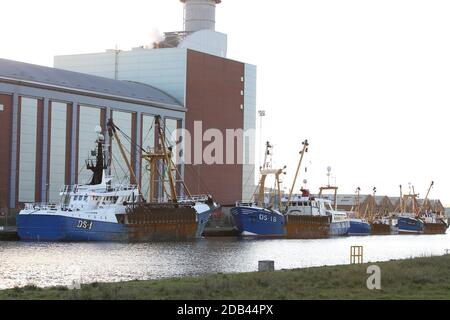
[(27, 164), (2, 107), (57, 149)]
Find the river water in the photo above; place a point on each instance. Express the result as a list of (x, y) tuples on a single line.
[(50, 264)]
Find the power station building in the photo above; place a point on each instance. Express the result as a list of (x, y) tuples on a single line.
[(48, 115), (47, 122), (191, 65)]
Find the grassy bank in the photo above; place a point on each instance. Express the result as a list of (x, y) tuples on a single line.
[(422, 278)]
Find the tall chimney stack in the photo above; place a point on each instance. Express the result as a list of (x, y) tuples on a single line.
[(200, 15)]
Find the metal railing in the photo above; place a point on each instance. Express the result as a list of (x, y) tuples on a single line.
[(76, 188), (196, 198), (41, 206), (244, 203)]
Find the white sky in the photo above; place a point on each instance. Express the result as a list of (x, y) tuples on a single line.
[(367, 82)]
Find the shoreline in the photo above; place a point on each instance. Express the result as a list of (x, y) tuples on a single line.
[(418, 278)]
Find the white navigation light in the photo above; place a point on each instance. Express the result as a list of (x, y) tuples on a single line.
[(98, 129)]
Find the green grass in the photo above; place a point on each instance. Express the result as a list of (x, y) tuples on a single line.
[(421, 278)]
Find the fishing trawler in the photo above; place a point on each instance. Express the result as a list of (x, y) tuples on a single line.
[(99, 211), (303, 218), (408, 222), (309, 217), (433, 223), (420, 220), (358, 225), (262, 219), (382, 225)]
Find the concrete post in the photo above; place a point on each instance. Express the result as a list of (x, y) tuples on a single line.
[(266, 266)]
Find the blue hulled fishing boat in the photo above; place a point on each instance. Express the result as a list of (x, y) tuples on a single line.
[(99, 211), (262, 219)]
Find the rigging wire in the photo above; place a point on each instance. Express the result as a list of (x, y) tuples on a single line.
[(128, 138), (116, 161), (148, 134), (190, 167), (164, 129), (84, 167)]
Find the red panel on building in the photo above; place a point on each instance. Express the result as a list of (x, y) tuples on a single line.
[(214, 96), (5, 147)]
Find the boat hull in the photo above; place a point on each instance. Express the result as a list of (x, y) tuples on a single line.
[(410, 226), (339, 229), (435, 228), (259, 222), (60, 228), (359, 228), (308, 227), (41, 227), (165, 223), (380, 229)]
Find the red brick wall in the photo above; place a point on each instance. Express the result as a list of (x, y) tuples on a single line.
[(214, 97), (5, 147), (39, 145)]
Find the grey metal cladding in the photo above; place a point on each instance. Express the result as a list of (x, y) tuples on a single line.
[(84, 82)]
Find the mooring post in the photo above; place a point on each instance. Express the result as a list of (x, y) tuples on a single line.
[(266, 266)]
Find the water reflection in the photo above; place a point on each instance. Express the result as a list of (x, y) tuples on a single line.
[(49, 264)]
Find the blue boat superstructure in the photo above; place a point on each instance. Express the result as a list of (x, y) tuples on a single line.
[(252, 220)]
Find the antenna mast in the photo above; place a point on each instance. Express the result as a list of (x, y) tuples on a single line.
[(265, 171), (302, 153), (426, 198)]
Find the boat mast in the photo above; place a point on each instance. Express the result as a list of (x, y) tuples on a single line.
[(302, 153), (167, 153), (401, 199), (265, 171), (373, 212), (426, 198), (358, 206), (153, 156), (414, 195), (99, 166)]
